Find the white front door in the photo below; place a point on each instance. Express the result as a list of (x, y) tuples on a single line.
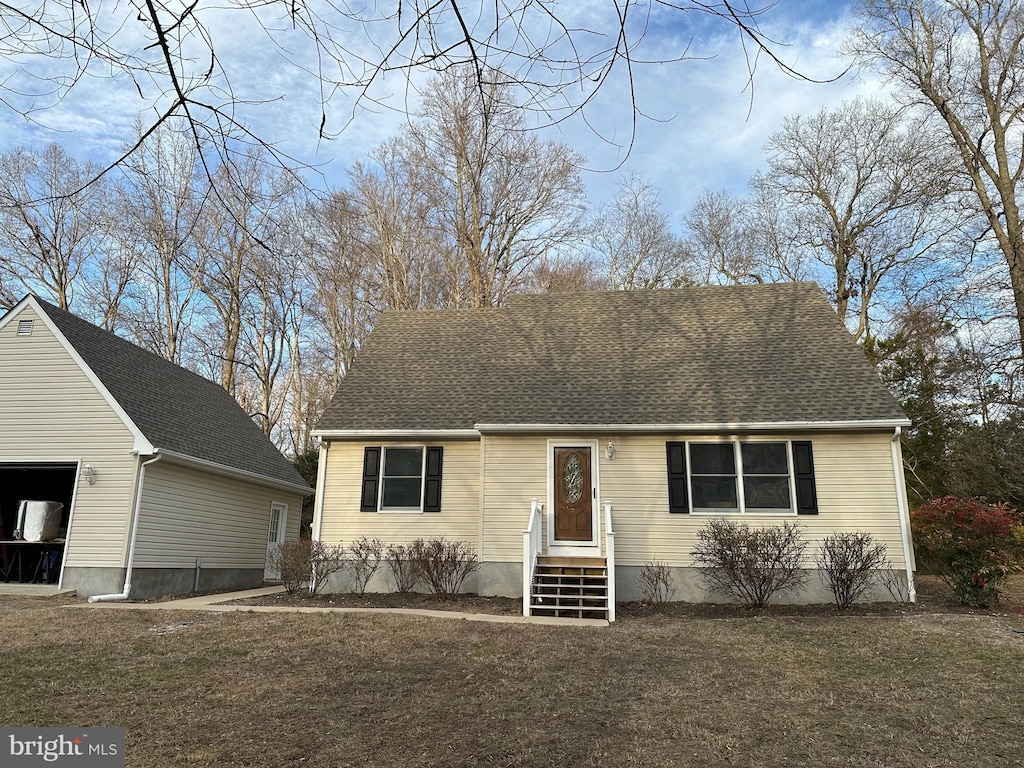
[(278, 520)]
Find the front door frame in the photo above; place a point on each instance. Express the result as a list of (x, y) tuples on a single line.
[(590, 548)]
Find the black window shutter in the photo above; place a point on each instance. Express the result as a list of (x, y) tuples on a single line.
[(676, 454), (371, 479), (432, 480), (803, 471)]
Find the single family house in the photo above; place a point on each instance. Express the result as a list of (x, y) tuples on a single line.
[(158, 482), (573, 438)]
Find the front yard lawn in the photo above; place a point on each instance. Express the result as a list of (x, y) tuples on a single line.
[(285, 689)]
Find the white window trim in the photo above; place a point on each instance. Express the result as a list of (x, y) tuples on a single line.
[(423, 478), (736, 442)]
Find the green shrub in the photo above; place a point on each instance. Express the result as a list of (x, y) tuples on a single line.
[(972, 544), (751, 564)]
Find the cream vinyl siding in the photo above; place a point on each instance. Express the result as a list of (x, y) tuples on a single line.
[(50, 412), (186, 513), (853, 475), (515, 471), (458, 519)]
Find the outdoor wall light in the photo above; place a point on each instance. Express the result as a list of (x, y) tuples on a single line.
[(89, 473), (610, 450)]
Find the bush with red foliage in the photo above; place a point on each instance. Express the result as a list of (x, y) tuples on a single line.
[(972, 544)]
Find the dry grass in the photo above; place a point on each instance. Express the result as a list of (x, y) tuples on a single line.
[(278, 690)]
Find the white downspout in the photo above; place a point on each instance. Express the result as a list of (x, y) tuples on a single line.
[(123, 595), (318, 499), (901, 501)]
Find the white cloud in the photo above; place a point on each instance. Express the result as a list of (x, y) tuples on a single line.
[(707, 138)]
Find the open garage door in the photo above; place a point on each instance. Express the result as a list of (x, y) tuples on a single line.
[(34, 561)]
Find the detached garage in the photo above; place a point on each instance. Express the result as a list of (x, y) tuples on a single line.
[(124, 474)]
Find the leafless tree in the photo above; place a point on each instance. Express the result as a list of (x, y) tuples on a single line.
[(172, 56), (737, 240), (865, 193), (242, 222), (633, 235), (161, 200), (565, 273), (50, 227), (339, 269), (961, 62), (405, 269), (500, 195)]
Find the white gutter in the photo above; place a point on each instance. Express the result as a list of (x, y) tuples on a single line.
[(223, 469), (478, 429), (774, 426), (349, 434), (123, 595), (901, 501)]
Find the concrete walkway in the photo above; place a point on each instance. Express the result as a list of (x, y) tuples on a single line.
[(34, 590), (215, 604)]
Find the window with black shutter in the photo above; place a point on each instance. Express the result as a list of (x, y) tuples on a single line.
[(741, 477), (402, 478)]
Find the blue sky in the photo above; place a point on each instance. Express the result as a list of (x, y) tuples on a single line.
[(707, 132)]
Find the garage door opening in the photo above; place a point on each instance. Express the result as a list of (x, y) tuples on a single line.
[(37, 562)]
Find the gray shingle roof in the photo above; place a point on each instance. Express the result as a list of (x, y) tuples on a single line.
[(706, 355), (175, 409)]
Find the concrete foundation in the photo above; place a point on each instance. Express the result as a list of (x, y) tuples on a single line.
[(506, 580), (159, 582), (688, 586), (94, 581)]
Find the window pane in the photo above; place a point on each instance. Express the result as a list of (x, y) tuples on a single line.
[(765, 459), (714, 492), (766, 492), (712, 459), (401, 492), (407, 462)]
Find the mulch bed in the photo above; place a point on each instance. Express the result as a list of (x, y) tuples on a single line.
[(932, 597)]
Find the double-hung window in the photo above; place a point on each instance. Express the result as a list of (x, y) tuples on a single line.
[(741, 477), (402, 479)]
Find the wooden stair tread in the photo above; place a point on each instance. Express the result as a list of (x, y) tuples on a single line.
[(572, 562)]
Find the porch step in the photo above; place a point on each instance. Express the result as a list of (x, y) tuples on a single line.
[(572, 562), (570, 587)]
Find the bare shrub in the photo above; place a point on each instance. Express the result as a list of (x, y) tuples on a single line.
[(751, 564), (324, 561), (849, 563), (443, 564), (656, 582), (399, 560), (895, 584), (291, 561), (363, 560)]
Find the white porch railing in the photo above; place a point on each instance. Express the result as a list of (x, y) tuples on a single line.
[(532, 542), (609, 553)]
